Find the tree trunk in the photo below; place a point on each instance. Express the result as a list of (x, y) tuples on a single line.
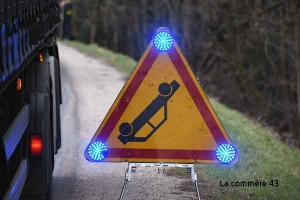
[(297, 65), (93, 34), (115, 38)]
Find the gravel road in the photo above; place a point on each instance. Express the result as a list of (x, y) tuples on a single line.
[(89, 87)]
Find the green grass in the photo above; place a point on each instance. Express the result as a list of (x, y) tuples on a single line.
[(122, 62), (261, 156)]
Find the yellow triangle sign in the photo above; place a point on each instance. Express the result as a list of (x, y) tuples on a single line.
[(161, 115)]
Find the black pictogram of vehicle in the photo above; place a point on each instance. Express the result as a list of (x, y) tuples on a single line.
[(129, 130)]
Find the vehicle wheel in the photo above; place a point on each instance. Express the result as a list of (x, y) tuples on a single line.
[(38, 92)]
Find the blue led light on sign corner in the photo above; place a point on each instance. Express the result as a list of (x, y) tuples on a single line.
[(97, 151), (163, 41), (225, 153)]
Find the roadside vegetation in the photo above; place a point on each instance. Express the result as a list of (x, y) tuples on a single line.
[(122, 62), (252, 46), (262, 157)]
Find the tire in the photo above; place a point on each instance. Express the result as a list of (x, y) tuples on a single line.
[(38, 91), (50, 161)]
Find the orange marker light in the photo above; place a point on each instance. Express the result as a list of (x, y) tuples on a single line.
[(18, 84), (41, 57), (36, 145)]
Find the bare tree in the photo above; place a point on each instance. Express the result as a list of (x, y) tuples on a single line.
[(246, 52)]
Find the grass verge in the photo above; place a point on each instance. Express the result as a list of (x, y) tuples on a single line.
[(262, 157), (122, 62)]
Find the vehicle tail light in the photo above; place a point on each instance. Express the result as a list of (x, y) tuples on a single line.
[(19, 84), (36, 145), (41, 57)]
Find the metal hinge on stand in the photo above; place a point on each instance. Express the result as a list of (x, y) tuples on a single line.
[(132, 167)]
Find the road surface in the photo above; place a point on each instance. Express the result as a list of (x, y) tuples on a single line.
[(89, 87)]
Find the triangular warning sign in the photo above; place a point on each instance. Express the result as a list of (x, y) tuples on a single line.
[(161, 115)]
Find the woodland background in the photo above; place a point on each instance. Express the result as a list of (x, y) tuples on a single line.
[(246, 52)]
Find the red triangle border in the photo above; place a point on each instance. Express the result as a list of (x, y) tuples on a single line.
[(162, 153)]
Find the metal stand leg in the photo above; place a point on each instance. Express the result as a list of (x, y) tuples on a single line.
[(127, 179), (194, 179), (124, 186), (132, 166), (197, 188)]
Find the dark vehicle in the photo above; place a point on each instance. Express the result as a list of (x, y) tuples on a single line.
[(30, 97)]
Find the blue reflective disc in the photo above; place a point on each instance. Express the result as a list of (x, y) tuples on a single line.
[(225, 153), (163, 41), (97, 151)]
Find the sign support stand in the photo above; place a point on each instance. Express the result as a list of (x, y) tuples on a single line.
[(132, 167)]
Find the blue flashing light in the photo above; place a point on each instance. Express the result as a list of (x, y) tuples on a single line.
[(225, 153), (163, 41), (97, 151)]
